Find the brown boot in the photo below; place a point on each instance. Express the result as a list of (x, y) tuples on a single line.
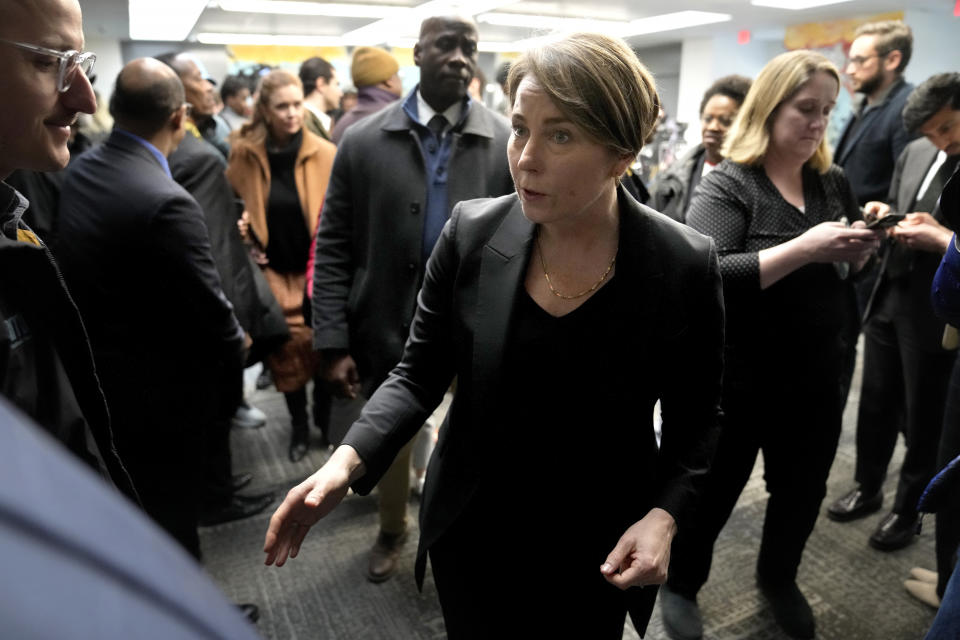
[(384, 555)]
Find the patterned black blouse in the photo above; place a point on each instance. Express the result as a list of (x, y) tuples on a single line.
[(744, 212)]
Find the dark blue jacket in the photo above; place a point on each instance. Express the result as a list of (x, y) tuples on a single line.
[(869, 154)]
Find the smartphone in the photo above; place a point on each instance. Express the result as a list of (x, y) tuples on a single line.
[(887, 221)]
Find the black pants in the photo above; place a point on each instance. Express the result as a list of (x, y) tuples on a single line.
[(904, 385), (794, 417), (948, 520), (494, 581)]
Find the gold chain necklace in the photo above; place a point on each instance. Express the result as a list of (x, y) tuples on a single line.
[(543, 265)]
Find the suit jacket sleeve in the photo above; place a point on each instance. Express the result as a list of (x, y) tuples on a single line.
[(415, 387), (334, 260), (182, 248), (690, 398), (945, 294)]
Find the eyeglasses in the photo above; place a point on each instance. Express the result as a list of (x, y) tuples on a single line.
[(858, 61), (70, 62)]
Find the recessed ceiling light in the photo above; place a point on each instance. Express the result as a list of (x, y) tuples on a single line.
[(268, 39), (795, 5), (333, 9), (167, 20)]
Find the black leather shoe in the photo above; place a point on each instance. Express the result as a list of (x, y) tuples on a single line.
[(894, 532), (250, 611), (790, 608), (240, 480), (854, 505), (237, 508)]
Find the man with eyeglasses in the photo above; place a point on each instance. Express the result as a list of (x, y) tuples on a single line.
[(875, 136), (46, 368)]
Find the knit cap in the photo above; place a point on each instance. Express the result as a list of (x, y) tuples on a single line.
[(371, 66)]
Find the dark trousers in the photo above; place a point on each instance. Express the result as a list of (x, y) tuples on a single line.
[(794, 419), (492, 587), (948, 519), (904, 385)]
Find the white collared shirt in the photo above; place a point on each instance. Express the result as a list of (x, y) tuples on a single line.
[(325, 120), (425, 112)]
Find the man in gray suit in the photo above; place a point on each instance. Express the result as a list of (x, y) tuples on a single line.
[(905, 367), (396, 177)]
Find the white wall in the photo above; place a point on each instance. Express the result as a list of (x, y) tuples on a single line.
[(703, 60), (935, 44), (109, 62)]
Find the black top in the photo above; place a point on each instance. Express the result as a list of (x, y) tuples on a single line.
[(562, 379), (744, 212), (289, 244)]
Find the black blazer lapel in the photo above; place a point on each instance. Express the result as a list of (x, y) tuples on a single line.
[(639, 263), (502, 268)]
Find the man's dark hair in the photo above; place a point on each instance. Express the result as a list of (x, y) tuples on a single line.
[(734, 87), (892, 35), (935, 93), (145, 107), (311, 69), (232, 85), (502, 73)]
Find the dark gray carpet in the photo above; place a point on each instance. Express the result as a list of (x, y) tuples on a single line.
[(856, 592)]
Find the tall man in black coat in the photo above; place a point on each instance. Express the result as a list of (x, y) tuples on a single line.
[(905, 368), (396, 177), (138, 263)]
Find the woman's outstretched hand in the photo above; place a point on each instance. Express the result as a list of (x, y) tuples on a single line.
[(642, 555), (309, 501)]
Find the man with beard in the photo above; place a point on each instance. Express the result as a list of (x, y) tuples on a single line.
[(396, 177), (875, 136)]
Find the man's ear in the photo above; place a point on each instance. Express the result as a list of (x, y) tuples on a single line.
[(178, 119), (417, 51), (892, 61)]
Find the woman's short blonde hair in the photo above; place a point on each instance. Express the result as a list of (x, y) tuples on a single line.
[(749, 137), (598, 83)]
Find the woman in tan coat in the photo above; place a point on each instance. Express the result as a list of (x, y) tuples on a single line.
[(281, 171)]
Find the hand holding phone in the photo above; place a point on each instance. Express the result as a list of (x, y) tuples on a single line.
[(887, 221)]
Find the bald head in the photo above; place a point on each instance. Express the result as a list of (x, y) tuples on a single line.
[(439, 23), (147, 93)]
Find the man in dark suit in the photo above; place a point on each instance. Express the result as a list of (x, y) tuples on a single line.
[(397, 174), (139, 265), (198, 167), (905, 368), (45, 364), (875, 136)]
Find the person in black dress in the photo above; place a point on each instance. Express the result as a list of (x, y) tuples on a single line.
[(565, 310), (777, 209)]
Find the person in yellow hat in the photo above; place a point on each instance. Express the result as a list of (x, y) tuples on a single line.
[(374, 73)]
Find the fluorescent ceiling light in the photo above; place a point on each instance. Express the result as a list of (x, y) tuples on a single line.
[(794, 5), (267, 39), (672, 21), (167, 20), (529, 21), (652, 24), (333, 9), (407, 24)]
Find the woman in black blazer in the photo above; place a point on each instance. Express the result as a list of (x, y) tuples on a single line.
[(565, 311)]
